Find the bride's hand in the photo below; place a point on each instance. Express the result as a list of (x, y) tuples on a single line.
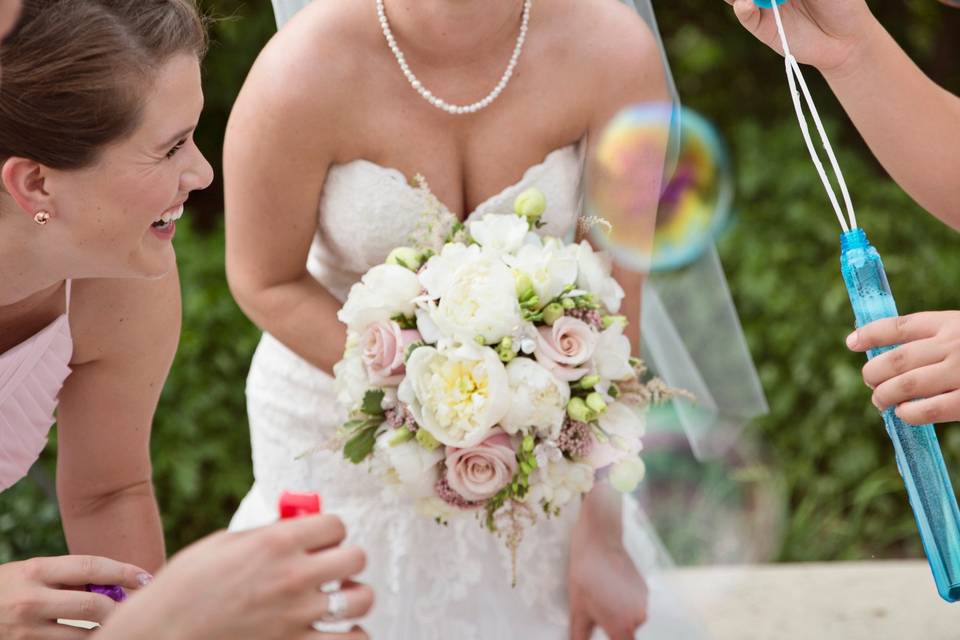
[(605, 588)]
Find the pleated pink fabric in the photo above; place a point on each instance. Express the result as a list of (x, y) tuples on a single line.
[(31, 376)]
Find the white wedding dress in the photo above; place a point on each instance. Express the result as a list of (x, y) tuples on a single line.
[(432, 581)]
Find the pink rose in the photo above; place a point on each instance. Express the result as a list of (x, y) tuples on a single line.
[(565, 348), (384, 345), (479, 472)]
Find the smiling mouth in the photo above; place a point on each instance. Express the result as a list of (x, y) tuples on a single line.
[(168, 218)]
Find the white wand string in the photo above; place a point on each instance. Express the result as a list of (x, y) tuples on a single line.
[(794, 76)]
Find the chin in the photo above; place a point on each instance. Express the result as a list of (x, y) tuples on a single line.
[(153, 265)]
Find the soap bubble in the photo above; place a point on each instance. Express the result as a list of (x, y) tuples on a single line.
[(664, 163)]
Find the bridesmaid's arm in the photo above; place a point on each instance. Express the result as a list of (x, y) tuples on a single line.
[(126, 334)]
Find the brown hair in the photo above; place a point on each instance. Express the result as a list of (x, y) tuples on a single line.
[(75, 73)]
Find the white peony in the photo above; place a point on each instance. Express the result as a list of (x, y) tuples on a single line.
[(560, 482), (479, 299), (611, 357), (549, 266), (350, 381), (594, 276), (384, 292), (500, 233), (416, 468), (456, 395), (538, 400)]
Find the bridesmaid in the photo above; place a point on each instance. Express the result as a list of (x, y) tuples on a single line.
[(98, 103)]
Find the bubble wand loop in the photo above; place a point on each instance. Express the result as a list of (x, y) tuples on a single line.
[(918, 454)]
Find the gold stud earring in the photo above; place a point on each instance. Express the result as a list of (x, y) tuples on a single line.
[(41, 218)]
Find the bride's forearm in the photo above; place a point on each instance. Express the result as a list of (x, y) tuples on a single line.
[(601, 517), (302, 315)]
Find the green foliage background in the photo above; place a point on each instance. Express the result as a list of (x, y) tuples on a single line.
[(824, 443)]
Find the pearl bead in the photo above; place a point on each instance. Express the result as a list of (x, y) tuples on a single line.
[(426, 94)]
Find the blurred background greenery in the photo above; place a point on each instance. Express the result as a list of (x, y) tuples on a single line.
[(824, 448)]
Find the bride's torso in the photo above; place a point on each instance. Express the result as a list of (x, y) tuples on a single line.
[(367, 209)]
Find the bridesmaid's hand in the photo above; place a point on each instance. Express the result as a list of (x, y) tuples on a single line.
[(822, 33), (36, 592), (606, 590), (263, 584), (926, 368)]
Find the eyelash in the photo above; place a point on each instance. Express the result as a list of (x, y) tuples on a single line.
[(176, 148)]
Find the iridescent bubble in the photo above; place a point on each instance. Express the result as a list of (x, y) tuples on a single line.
[(766, 4), (664, 163)]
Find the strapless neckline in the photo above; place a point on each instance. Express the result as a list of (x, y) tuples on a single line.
[(401, 177)]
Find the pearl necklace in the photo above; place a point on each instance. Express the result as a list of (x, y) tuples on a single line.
[(434, 100)]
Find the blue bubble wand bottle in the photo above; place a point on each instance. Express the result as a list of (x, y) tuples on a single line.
[(917, 451)]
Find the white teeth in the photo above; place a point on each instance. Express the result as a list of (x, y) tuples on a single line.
[(172, 216)]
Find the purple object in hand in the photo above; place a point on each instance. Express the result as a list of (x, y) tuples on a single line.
[(112, 591)]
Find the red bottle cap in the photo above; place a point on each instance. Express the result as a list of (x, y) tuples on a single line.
[(294, 505)]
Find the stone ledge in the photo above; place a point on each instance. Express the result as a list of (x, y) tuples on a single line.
[(836, 600)]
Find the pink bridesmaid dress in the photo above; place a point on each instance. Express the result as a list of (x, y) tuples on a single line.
[(31, 376)]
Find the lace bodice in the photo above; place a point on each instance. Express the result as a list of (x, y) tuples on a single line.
[(366, 210)]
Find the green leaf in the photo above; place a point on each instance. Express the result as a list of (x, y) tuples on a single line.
[(361, 445), (372, 401)]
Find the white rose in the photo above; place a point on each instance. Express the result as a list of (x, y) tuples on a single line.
[(611, 357), (624, 428), (594, 276), (538, 400), (428, 329), (480, 299), (415, 467), (549, 266), (456, 395), (384, 292), (437, 275), (436, 509), (559, 482), (350, 382), (500, 233)]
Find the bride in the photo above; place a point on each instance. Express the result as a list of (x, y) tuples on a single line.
[(484, 99)]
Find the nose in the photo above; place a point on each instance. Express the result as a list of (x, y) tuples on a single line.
[(199, 176)]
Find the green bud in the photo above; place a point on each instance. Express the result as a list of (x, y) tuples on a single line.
[(596, 403), (614, 391), (532, 302), (426, 440), (528, 444), (406, 257), (552, 312), (609, 321), (627, 474), (568, 303), (400, 436), (480, 340), (578, 410), (589, 382), (506, 354), (530, 204), (524, 285)]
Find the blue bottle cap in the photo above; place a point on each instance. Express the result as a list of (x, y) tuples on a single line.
[(766, 4)]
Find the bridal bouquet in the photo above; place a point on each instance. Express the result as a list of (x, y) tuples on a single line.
[(490, 374)]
